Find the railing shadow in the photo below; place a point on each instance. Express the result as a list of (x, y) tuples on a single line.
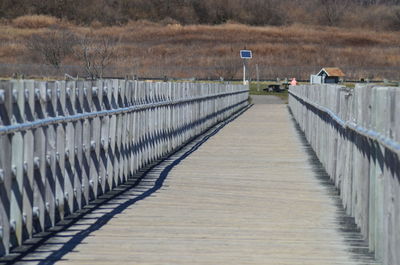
[(64, 242), (357, 246)]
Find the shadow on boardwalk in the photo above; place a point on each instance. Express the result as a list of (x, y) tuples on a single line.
[(67, 241), (146, 185), (357, 245)]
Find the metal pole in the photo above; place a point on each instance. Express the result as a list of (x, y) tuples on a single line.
[(258, 78), (244, 72)]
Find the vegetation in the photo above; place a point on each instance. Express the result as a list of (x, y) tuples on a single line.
[(373, 14), (256, 88), (52, 46), (200, 38)]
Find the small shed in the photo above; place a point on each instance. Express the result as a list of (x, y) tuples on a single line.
[(330, 75), (327, 75)]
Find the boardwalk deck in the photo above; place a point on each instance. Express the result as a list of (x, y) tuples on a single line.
[(248, 195)]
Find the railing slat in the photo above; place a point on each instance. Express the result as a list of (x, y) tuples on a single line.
[(60, 154), (5, 167), (28, 192), (66, 143), (50, 158), (78, 150), (86, 127), (17, 164), (354, 132)]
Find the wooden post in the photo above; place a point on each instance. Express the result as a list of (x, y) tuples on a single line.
[(50, 157), (17, 164), (28, 178), (60, 153), (54, 167), (5, 168), (78, 147), (69, 152)]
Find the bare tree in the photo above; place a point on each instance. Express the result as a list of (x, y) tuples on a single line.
[(332, 10), (228, 67), (395, 18), (96, 54), (52, 46)]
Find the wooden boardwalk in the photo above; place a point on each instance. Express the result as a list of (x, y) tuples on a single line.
[(250, 194)]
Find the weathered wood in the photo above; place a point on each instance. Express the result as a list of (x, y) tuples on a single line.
[(50, 158), (69, 151), (87, 107), (229, 202), (364, 168), (122, 89), (60, 154), (6, 169), (28, 192), (39, 159), (104, 131), (95, 134), (57, 158), (112, 123), (78, 143), (17, 164)]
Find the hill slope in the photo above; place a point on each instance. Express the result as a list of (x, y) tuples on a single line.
[(202, 51)]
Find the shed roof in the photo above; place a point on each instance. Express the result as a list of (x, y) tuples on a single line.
[(332, 71)]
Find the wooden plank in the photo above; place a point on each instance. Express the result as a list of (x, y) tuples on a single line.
[(139, 126), (130, 129), (124, 136), (118, 132), (66, 165), (50, 157), (105, 127), (95, 128), (78, 146), (60, 154), (39, 159), (125, 94), (208, 213), (69, 193), (169, 119), (5, 168), (395, 237), (134, 142), (28, 158), (17, 162), (86, 128), (391, 184), (108, 97)]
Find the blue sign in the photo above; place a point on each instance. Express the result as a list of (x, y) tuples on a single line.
[(246, 54)]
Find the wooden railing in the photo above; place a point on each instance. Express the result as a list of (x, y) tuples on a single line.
[(355, 133), (63, 144)]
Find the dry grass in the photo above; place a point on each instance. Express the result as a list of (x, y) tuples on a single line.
[(34, 21), (150, 49)]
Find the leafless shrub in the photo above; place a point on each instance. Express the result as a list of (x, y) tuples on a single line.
[(332, 11), (228, 67), (395, 18), (52, 46), (96, 54)]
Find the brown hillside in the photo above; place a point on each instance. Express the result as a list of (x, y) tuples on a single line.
[(202, 51)]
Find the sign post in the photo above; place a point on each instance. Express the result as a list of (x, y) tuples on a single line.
[(245, 55), (258, 78)]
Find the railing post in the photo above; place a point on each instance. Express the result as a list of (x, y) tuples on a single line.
[(5, 168)]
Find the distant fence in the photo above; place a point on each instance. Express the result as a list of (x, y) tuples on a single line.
[(356, 135), (63, 144), (266, 72)]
